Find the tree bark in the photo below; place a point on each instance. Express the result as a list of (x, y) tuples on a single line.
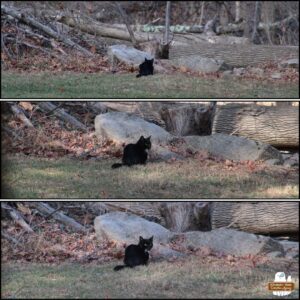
[(60, 113), (277, 126), (47, 210), (257, 217), (189, 119), (186, 216)]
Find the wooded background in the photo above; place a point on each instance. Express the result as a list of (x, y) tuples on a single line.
[(163, 28)]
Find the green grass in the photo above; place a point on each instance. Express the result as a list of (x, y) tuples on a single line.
[(191, 278), (100, 86), (31, 177)]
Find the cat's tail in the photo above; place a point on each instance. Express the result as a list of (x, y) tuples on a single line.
[(114, 166), (138, 75), (119, 267)]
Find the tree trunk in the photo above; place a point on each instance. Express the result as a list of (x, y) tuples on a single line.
[(186, 216), (274, 218), (125, 19), (188, 119), (277, 126), (257, 15), (237, 11), (167, 23)]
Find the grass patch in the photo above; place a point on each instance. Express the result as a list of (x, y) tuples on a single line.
[(100, 86), (31, 177), (191, 278)]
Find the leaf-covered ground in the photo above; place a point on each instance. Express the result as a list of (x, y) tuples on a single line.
[(35, 75)]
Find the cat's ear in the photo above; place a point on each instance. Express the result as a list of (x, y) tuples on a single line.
[(149, 137), (145, 58), (151, 60), (151, 239), (142, 138), (141, 239)]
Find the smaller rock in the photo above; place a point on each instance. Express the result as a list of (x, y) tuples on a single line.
[(227, 74), (276, 76), (274, 254), (160, 252), (290, 63), (239, 71), (292, 255), (257, 71), (291, 160), (273, 162)]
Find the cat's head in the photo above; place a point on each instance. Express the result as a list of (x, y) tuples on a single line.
[(145, 141), (150, 61), (146, 243)]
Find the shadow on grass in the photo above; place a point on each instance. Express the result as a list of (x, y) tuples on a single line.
[(191, 278), (28, 177)]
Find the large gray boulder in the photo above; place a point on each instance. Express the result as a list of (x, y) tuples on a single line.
[(200, 64), (121, 227), (123, 127), (126, 228), (231, 241), (128, 55), (233, 147)]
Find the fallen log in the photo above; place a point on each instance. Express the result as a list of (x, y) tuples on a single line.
[(60, 113), (45, 209), (104, 30), (20, 115), (257, 217), (34, 23), (274, 125), (17, 217)]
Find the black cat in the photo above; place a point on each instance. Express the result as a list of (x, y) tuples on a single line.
[(146, 68), (135, 153), (136, 255)]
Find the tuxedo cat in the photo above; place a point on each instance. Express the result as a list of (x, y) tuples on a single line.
[(136, 255), (135, 153), (146, 68)]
